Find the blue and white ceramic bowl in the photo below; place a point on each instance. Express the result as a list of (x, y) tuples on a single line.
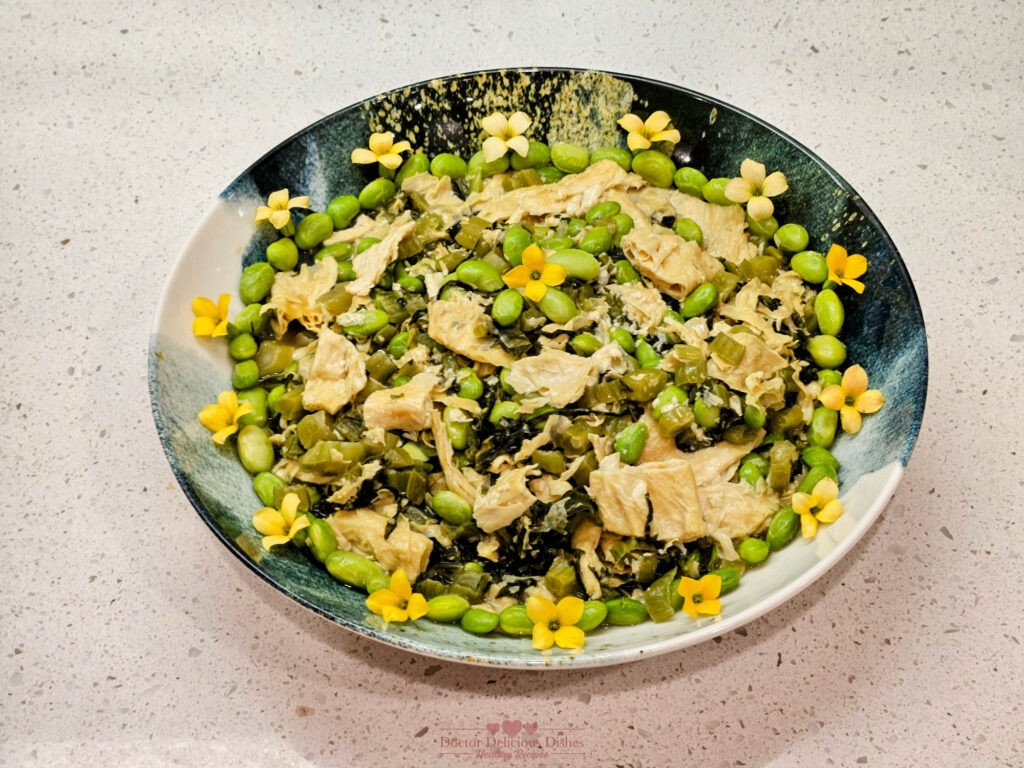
[(884, 331)]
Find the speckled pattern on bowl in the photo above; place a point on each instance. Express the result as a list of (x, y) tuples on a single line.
[(884, 331)]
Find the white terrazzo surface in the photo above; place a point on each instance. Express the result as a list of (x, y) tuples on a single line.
[(130, 637)]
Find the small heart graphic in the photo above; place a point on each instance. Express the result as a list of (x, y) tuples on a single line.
[(530, 727), (492, 728), (512, 727)]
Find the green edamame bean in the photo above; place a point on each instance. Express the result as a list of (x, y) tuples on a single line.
[(730, 577), (753, 551), (352, 568), (783, 527), (707, 416), (470, 385), (754, 416), (748, 472), (763, 228), (654, 166), (447, 164), (630, 442), (714, 192), (458, 431), (625, 612), (811, 266), (398, 345), (480, 275), (514, 243), (792, 237), (690, 181), (557, 243), (597, 240), (274, 395), (245, 374), (569, 158), (575, 226), (514, 621), (480, 621), (577, 263), (372, 320), (688, 229), (477, 165), (829, 377), (558, 307), (646, 356), (255, 450), (626, 273), (256, 281), (585, 344), (814, 455), (827, 351), (624, 339), (822, 430), (537, 154), (816, 474), (452, 507), (339, 251), (265, 484), (594, 614), (343, 210), (623, 226), (411, 284), (283, 254), (699, 300), (377, 193), (622, 157), (829, 311), (507, 307), (257, 398), (249, 320), (503, 409), (414, 165), (445, 609), (366, 243), (669, 398), (242, 347), (602, 211), (320, 538), (549, 174), (313, 230)]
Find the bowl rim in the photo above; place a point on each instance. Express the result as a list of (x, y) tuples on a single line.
[(606, 657)]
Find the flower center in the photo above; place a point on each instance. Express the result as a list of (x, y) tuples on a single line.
[(698, 598), (535, 275), (554, 625)]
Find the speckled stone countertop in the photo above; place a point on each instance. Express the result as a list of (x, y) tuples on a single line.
[(131, 637)]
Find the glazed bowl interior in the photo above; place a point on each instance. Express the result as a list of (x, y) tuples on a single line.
[(884, 330)]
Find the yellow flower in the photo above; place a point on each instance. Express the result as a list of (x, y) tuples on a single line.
[(701, 597), (825, 498), (505, 134), (399, 602), (754, 189), (534, 274), (278, 208), (845, 269), (280, 527), (641, 134), (211, 319), (852, 397), (383, 150), (555, 624), (222, 417)]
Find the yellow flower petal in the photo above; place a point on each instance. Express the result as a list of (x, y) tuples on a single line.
[(710, 585), (221, 436), (223, 305), (269, 522), (380, 143), (830, 512), (519, 144), (760, 208), (400, 584), (393, 614), (363, 156), (494, 124), (856, 285), (569, 637), (856, 265), (637, 141), (709, 607), (417, 606), (278, 200), (299, 202), (214, 417), (221, 329), (204, 307), (835, 258), (833, 396), (870, 401), (540, 609), (657, 121), (808, 526), (381, 599), (553, 274), (204, 326), (753, 172), (543, 637), (263, 213), (517, 277), (855, 380), (569, 611), (631, 123), (228, 400), (688, 587), (851, 420), (775, 184), (401, 146), (535, 290), (280, 219), (825, 490), (289, 506), (672, 136), (298, 525), (533, 258), (738, 190), (273, 541), (494, 148), (391, 162), (802, 503), (518, 122)]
